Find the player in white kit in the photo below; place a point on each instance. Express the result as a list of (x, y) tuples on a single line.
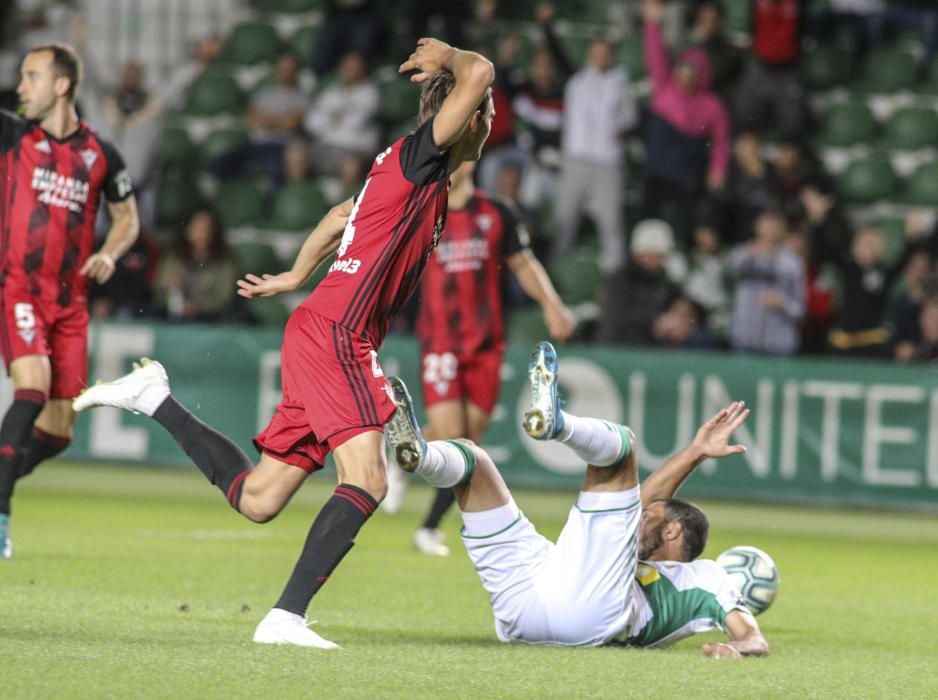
[(622, 570)]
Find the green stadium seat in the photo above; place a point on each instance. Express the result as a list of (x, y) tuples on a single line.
[(298, 206), (911, 128), (526, 326), (219, 142), (825, 67), (177, 198), (737, 16), (250, 43), (577, 277), (922, 186), (303, 40), (269, 311), (887, 70), (257, 258), (631, 55), (399, 101), (868, 180), (175, 148), (214, 93), (240, 203), (846, 124), (292, 7), (894, 234)]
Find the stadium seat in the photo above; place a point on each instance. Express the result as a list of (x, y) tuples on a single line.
[(214, 93), (825, 67), (250, 43), (298, 206), (269, 311), (302, 41), (291, 7), (219, 142), (240, 203), (922, 185), (911, 128), (631, 55), (894, 234), (177, 198), (577, 277), (257, 258), (526, 326), (175, 148), (399, 99), (887, 70), (868, 179), (846, 124)]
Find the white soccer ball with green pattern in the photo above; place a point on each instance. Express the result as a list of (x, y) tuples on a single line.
[(754, 574)]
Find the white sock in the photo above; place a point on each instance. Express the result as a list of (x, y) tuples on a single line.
[(597, 442), (446, 464), (490, 522)]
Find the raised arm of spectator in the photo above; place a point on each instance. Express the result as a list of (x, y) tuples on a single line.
[(656, 54), (474, 77), (544, 14)]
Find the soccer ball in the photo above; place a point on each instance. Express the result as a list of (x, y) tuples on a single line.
[(753, 573)]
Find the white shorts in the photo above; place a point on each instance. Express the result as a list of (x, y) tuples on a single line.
[(575, 592)]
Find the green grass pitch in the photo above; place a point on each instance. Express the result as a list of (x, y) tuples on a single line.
[(134, 582)]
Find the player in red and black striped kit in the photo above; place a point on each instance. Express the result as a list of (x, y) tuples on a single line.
[(335, 396), (53, 171), (461, 325)]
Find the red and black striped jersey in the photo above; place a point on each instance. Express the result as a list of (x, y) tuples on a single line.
[(396, 223), (461, 289), (51, 191)]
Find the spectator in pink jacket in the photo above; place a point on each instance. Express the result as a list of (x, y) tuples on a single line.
[(686, 131)]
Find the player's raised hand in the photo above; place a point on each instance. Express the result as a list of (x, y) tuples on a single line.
[(713, 437), (560, 322), (430, 56), (253, 286), (721, 650), (98, 267)]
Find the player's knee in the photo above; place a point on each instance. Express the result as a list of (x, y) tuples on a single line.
[(259, 508), (376, 484)]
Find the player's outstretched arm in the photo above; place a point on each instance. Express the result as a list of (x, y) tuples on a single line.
[(319, 245), (125, 227), (474, 76), (536, 283), (712, 440), (745, 638)]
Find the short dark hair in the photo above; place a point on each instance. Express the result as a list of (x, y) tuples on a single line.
[(694, 523), (434, 93), (65, 63)]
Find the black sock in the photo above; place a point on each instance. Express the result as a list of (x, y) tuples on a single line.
[(330, 538), (218, 457), (14, 436), (41, 447), (441, 504)]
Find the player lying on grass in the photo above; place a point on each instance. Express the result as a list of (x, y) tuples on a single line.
[(335, 396), (623, 569)]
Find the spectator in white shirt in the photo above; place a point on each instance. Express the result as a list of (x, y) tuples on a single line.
[(599, 107)]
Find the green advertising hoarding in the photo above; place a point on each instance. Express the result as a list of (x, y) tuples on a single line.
[(821, 431)]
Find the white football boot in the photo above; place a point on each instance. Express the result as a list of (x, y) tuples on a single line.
[(283, 627), (543, 419), (6, 544), (141, 391), (430, 541), (403, 431)]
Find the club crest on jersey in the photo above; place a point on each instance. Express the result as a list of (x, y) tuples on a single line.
[(485, 221), (43, 146), (27, 334), (89, 156)]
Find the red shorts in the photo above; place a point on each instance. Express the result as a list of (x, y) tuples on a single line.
[(333, 390), (450, 377), (29, 326)]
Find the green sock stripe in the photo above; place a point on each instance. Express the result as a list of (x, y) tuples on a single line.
[(469, 458), (626, 441)]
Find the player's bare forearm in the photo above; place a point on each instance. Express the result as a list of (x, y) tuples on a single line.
[(319, 245), (536, 283), (125, 227), (745, 638), (712, 440)]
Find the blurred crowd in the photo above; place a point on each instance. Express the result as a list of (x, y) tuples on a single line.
[(686, 174)]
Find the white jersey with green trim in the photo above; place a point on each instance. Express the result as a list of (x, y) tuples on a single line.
[(673, 600)]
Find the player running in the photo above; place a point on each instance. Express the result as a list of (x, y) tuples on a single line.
[(461, 327), (623, 570), (335, 396), (53, 170)]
